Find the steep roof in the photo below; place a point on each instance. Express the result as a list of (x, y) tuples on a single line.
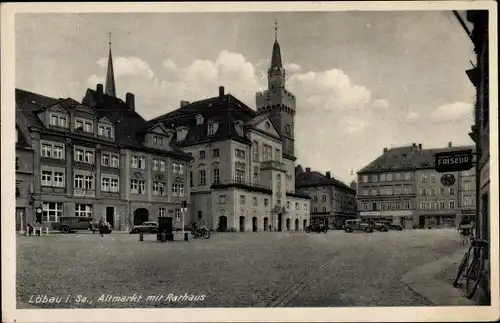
[(129, 125), (406, 158), (225, 109), (313, 178)]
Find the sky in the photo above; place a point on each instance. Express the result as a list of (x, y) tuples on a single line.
[(363, 80)]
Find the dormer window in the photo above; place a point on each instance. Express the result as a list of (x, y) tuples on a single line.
[(157, 140), (212, 128), (239, 128), (84, 125), (181, 133), (58, 120), (106, 131), (199, 119)]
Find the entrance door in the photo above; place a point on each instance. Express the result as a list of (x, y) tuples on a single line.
[(266, 224), (242, 224), (296, 224), (141, 215), (280, 222), (304, 224), (254, 224), (110, 215), (287, 224), (421, 221), (222, 223), (200, 215)]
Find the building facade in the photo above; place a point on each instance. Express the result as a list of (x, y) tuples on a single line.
[(480, 131), (242, 174), (402, 186), (98, 158), (332, 202)]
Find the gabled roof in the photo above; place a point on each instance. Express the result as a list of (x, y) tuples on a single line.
[(226, 110), (129, 125), (313, 179), (406, 158), (29, 103), (253, 123)]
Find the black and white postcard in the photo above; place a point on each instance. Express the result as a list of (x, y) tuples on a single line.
[(261, 161)]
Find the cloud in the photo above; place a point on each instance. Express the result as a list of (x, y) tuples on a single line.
[(381, 103), (451, 112), (128, 66), (292, 68)]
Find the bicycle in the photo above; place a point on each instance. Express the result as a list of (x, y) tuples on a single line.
[(471, 268)]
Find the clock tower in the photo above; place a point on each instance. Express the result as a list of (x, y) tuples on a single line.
[(278, 102)]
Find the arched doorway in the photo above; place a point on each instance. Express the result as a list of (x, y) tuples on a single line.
[(222, 223), (242, 224), (288, 224), (304, 225), (254, 224), (141, 215), (280, 222), (266, 224), (296, 224)]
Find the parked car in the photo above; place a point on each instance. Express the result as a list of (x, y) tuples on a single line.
[(69, 224), (145, 227), (357, 225), (393, 226), (380, 226)]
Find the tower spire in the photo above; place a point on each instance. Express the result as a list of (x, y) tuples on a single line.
[(110, 76), (276, 30), (276, 57)]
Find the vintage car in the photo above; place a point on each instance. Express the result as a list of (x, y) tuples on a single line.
[(145, 227), (69, 224), (393, 226), (380, 226), (357, 225)]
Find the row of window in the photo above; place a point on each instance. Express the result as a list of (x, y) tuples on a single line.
[(86, 155), (386, 177), (109, 183), (387, 190), (222, 200), (267, 153), (437, 205), (215, 153), (433, 191), (82, 124), (53, 211), (239, 176), (405, 205)]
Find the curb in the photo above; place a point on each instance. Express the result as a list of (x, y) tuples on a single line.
[(422, 280)]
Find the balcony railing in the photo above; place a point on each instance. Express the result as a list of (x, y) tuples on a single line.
[(236, 182), (273, 164)]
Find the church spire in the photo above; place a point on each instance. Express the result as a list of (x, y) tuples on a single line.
[(110, 76), (276, 58)]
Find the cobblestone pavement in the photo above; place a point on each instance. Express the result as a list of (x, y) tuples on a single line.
[(231, 269)]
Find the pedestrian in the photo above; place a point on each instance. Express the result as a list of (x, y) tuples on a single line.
[(30, 229), (101, 228), (465, 230)]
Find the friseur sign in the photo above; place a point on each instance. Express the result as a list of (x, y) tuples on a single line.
[(453, 161)]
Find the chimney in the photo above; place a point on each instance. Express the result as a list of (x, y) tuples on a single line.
[(100, 92), (184, 103), (386, 150), (328, 175), (221, 91), (419, 146), (308, 169), (449, 144), (130, 101)]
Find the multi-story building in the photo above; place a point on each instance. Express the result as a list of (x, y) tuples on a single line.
[(402, 186), (24, 181), (480, 132), (242, 177), (332, 202), (98, 158)]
